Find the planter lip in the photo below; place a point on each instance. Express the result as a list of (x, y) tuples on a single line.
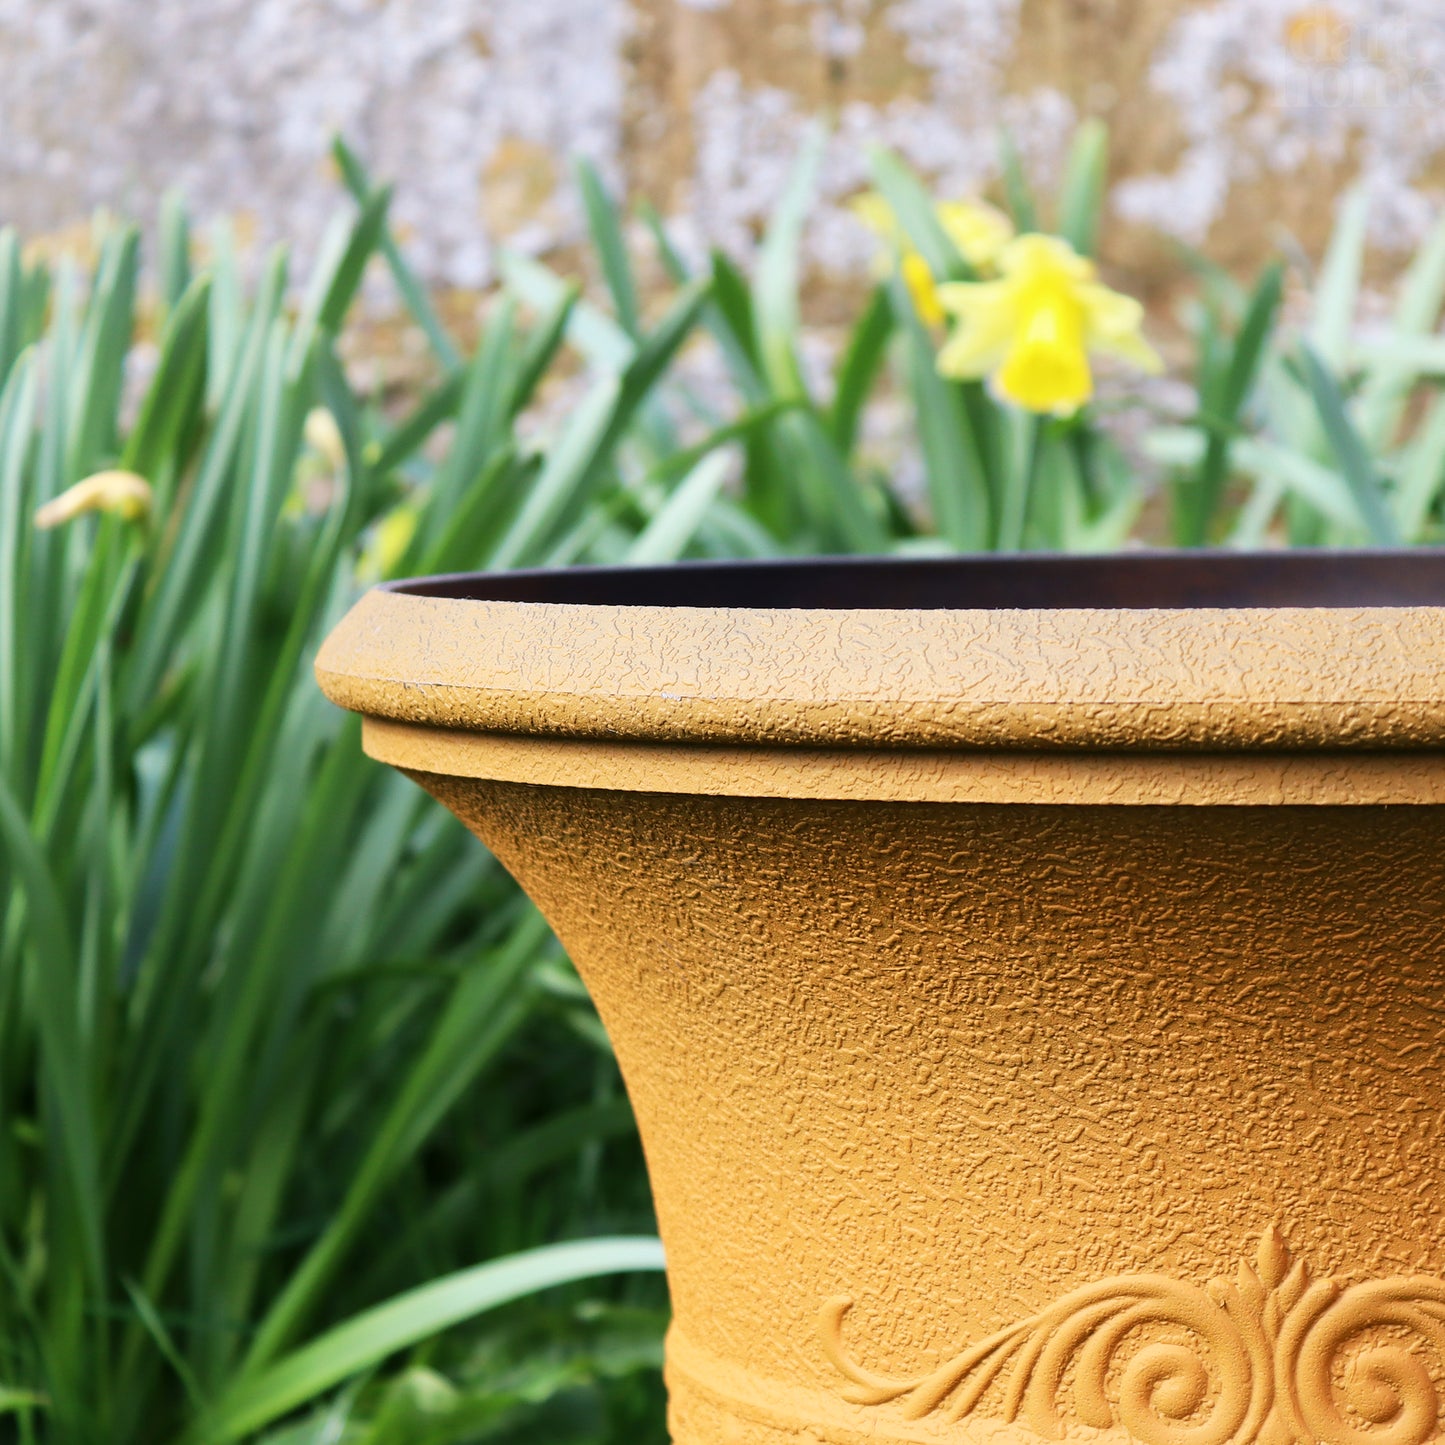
[(1192, 581), (1194, 651)]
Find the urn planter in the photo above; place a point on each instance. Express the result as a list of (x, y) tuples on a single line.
[(1028, 974)]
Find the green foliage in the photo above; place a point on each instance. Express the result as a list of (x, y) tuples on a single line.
[(1312, 431), (257, 995)]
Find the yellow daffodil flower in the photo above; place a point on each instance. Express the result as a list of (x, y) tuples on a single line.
[(122, 494), (979, 230), (390, 538), (922, 288), (323, 436), (976, 228), (1031, 331)]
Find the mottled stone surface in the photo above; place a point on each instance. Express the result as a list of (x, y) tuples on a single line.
[(1231, 118)]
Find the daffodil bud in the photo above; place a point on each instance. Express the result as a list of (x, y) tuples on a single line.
[(122, 494), (390, 538), (323, 436)]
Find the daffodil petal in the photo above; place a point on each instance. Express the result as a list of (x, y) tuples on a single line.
[(1133, 349), (919, 280), (980, 340), (968, 357), (1034, 254), (1113, 325), (975, 302), (1109, 313), (877, 215), (980, 231)]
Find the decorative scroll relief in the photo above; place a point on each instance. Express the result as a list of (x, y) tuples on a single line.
[(1275, 1357)]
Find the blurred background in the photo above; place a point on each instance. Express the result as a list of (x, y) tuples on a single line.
[(1233, 122)]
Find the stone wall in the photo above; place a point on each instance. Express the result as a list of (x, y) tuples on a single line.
[(1232, 119)]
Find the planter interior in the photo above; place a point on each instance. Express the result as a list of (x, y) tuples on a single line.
[(1027, 973)]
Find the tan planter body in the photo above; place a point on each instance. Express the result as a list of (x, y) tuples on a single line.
[(1034, 1014)]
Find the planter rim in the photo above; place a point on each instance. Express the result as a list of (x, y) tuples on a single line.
[(1193, 651), (1191, 581)]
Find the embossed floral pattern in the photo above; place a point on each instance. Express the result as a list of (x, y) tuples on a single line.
[(1275, 1356)]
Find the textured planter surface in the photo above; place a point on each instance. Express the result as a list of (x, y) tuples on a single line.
[(1034, 1012)]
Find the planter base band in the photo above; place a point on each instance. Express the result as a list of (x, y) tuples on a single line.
[(980, 776), (1272, 1356)]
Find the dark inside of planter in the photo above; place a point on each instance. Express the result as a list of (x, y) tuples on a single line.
[(1136, 579)]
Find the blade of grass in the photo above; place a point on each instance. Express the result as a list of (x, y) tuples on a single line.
[(169, 606), (957, 487), (540, 349), (1386, 390), (174, 265), (1338, 289), (481, 419), (482, 1015), (102, 594), (597, 336), (12, 301), (1350, 451), (775, 287), (490, 503), (733, 316), (918, 216), (667, 535), (413, 294), (17, 421), (1224, 389), (105, 337), (335, 282), (365, 1341), (1422, 474), (53, 978), (678, 271), (227, 322), (611, 247), (1081, 198), (593, 430), (410, 434), (862, 361), (1017, 192), (150, 1317), (826, 490), (570, 465), (176, 394), (679, 463), (15, 1402), (1026, 442)]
